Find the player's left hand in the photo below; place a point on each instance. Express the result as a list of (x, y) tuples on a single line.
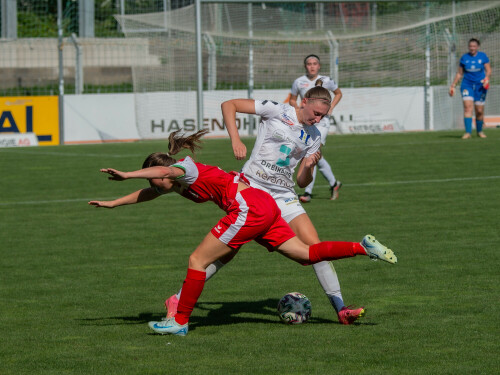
[(486, 83), (116, 175), (312, 160)]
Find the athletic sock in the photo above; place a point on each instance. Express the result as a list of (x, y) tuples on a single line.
[(191, 291), (326, 170), (327, 277), (468, 124), (479, 126), (332, 250), (309, 188), (210, 271)]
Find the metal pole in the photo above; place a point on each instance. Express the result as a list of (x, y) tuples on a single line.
[(61, 71), (167, 7), (122, 13), (78, 65), (250, 65), (374, 17), (9, 19), (334, 56), (427, 88), (199, 66)]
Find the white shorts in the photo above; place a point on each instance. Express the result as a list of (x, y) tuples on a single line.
[(288, 202)]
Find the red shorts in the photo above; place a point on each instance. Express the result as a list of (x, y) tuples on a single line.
[(254, 215)]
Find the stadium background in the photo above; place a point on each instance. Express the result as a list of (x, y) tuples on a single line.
[(377, 47)]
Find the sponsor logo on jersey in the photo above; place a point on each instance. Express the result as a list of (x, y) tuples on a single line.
[(280, 134), (286, 120), (274, 180), (304, 136), (276, 168)]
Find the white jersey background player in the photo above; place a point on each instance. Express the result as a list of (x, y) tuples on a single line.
[(286, 137), (299, 88)]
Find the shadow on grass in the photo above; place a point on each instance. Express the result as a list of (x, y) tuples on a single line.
[(219, 313)]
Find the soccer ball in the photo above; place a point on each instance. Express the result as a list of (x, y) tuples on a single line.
[(294, 308)]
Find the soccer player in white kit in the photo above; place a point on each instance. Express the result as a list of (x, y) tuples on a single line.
[(286, 137), (300, 86)]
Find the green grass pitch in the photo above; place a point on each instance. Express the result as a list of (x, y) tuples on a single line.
[(79, 284)]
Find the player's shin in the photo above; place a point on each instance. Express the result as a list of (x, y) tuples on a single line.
[(191, 291), (333, 250)]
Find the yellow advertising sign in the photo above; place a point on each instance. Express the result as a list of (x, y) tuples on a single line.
[(31, 114)]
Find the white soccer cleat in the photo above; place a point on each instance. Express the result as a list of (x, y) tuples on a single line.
[(169, 327), (375, 250)]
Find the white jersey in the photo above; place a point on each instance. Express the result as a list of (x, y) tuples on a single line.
[(303, 84), (281, 143)]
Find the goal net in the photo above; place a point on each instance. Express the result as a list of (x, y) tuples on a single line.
[(393, 61)]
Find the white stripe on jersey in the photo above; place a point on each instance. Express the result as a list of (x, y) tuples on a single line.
[(234, 228)]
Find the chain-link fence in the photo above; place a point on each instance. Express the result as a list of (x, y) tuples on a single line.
[(97, 58)]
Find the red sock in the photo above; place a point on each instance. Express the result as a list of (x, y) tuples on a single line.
[(332, 250), (191, 290)]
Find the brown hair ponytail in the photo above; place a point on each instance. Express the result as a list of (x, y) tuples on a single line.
[(175, 145), (319, 93)]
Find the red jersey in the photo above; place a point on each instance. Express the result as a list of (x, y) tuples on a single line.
[(201, 183)]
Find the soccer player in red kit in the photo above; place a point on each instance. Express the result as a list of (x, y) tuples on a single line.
[(251, 214)]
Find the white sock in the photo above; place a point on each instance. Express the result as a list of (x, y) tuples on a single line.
[(210, 271), (327, 277), (326, 171)]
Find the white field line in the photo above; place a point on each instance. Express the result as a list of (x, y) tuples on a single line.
[(23, 150), (386, 183)]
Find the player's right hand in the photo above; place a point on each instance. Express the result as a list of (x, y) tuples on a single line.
[(105, 204), (452, 90), (239, 150), (116, 175)]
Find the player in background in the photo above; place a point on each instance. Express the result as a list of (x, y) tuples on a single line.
[(476, 71), (286, 137), (300, 86), (251, 214)]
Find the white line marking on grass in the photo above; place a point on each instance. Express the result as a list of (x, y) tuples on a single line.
[(56, 201), (349, 185), (209, 151), (420, 181)]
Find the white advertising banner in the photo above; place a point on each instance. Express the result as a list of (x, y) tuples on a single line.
[(18, 139), (123, 117), (95, 118), (363, 110)]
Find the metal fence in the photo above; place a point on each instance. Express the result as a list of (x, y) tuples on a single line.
[(96, 56)]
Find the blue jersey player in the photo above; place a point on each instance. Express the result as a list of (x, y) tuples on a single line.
[(476, 70)]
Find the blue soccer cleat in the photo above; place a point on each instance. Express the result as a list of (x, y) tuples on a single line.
[(375, 250), (169, 327)]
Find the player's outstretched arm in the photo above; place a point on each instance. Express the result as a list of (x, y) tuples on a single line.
[(229, 110), (146, 173), (138, 196)]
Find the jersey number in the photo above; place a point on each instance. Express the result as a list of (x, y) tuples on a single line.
[(285, 150)]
